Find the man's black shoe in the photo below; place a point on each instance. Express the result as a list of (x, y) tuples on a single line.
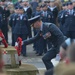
[(39, 54), (25, 55)]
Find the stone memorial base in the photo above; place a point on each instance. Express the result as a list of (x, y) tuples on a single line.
[(25, 69), (10, 57)]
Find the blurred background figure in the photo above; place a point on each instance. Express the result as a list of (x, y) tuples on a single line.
[(64, 48), (68, 19), (69, 70), (71, 53), (28, 11), (61, 12), (53, 8), (21, 27), (34, 5), (12, 23), (64, 69), (5, 12)]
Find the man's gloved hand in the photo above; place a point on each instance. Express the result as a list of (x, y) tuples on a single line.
[(16, 44)]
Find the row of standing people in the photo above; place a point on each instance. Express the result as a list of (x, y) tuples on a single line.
[(66, 19), (17, 31), (48, 14), (4, 15)]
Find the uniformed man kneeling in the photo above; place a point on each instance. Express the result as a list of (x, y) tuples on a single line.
[(50, 32)]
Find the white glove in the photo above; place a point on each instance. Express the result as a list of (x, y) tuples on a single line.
[(22, 43), (16, 44), (0, 39)]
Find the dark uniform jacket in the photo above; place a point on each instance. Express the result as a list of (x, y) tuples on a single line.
[(5, 14), (60, 20), (55, 12), (36, 13), (57, 38), (12, 21), (68, 21), (21, 26), (1, 9), (29, 12), (34, 5), (0, 21), (49, 18)]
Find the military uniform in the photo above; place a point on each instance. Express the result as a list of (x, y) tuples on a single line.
[(68, 21), (55, 36), (1, 9), (47, 17), (5, 14), (34, 5), (54, 10), (0, 21), (59, 17), (28, 11), (12, 22), (29, 14), (21, 29)]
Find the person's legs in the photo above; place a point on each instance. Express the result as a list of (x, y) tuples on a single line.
[(24, 37), (13, 41), (15, 37), (47, 58), (72, 34)]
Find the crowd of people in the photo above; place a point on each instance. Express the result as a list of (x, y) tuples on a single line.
[(52, 22)]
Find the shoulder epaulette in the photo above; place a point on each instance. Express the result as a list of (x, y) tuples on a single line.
[(48, 24)]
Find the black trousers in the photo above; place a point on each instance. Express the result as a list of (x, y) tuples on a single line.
[(4, 29), (70, 34)]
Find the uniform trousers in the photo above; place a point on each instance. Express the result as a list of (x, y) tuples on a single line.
[(13, 41), (5, 31), (48, 57), (70, 34)]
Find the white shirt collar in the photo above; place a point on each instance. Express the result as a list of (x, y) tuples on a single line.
[(52, 8)]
